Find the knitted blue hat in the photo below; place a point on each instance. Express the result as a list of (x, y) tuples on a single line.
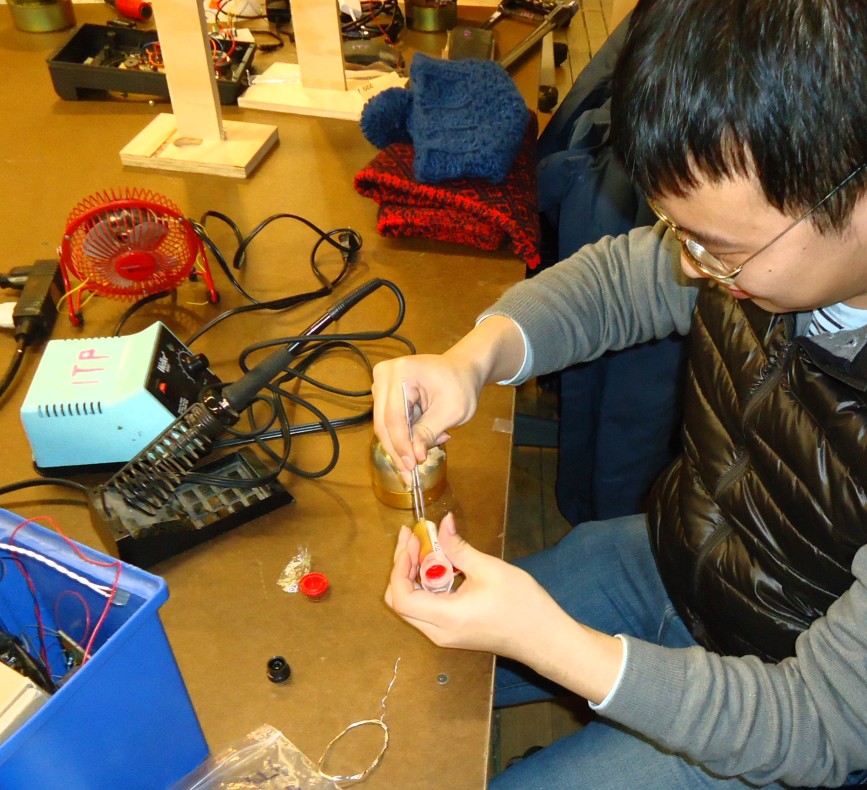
[(465, 118)]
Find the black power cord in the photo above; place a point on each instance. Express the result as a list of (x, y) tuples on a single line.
[(276, 395), (16, 277), (345, 240), (14, 366), (59, 482)]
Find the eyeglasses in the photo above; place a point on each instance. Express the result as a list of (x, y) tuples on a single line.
[(712, 266)]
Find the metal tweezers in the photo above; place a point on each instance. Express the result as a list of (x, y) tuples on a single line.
[(417, 495)]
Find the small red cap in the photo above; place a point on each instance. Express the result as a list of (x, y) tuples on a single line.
[(313, 585), (436, 571)]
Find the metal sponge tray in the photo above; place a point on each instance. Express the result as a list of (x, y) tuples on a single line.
[(197, 512)]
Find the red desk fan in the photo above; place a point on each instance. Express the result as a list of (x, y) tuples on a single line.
[(127, 246)]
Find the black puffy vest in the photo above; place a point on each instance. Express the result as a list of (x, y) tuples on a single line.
[(755, 525)]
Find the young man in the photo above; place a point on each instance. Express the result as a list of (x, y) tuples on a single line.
[(722, 638)]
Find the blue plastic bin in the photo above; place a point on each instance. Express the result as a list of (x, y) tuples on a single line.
[(124, 720)]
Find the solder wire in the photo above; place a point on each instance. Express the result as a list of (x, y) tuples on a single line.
[(380, 722)]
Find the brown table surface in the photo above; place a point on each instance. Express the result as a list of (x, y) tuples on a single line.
[(226, 616)]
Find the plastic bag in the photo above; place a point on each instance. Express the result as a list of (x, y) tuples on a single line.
[(263, 760)]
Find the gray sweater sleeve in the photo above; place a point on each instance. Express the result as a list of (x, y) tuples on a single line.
[(609, 295), (802, 721)]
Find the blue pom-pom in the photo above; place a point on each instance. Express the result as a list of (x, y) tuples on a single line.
[(384, 117)]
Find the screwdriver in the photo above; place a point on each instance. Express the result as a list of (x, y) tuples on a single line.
[(436, 573)]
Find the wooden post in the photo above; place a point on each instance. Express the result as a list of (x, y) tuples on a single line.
[(319, 44), (188, 59), (194, 138), (317, 85)]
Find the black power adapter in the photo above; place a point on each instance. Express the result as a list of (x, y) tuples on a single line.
[(36, 310)]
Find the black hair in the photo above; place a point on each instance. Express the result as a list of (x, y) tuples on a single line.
[(713, 89)]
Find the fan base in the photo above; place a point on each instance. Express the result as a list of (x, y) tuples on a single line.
[(159, 146)]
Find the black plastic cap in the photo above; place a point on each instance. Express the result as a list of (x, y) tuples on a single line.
[(278, 670)]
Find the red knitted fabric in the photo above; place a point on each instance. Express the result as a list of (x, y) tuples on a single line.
[(464, 211)]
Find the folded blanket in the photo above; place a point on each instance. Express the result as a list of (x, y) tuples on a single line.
[(470, 211)]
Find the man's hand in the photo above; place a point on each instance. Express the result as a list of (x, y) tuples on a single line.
[(443, 390), (501, 609)]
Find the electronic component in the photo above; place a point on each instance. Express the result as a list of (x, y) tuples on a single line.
[(533, 11), (99, 401), (148, 481), (378, 18), (98, 61), (14, 656), (150, 505), (16, 277), (32, 316), (72, 651)]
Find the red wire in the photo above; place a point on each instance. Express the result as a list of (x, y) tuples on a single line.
[(116, 564), (104, 614), (84, 605), (43, 652)]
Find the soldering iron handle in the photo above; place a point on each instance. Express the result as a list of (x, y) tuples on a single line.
[(240, 394), (140, 10)]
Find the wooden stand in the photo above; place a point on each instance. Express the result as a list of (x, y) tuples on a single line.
[(318, 84), (281, 89), (195, 138), (161, 145)]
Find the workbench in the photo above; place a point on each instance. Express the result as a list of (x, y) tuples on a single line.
[(226, 616)]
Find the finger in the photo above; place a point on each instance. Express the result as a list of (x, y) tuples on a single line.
[(424, 437), (430, 422), (389, 415), (400, 584), (460, 553), (402, 539), (413, 548)]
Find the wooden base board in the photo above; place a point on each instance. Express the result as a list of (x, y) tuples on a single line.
[(159, 146), (280, 89)]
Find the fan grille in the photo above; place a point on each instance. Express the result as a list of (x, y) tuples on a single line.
[(129, 244)]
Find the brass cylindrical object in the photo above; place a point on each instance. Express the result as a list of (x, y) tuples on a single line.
[(431, 16), (388, 484), (41, 16)]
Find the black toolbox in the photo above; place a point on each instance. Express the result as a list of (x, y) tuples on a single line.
[(99, 61)]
